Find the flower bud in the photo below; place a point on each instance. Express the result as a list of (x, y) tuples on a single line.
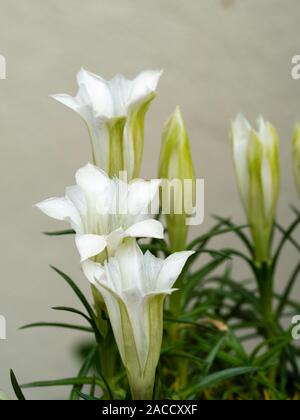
[(178, 186), (256, 161)]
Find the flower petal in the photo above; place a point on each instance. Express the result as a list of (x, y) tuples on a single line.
[(149, 228), (61, 208), (89, 245), (144, 83), (98, 92), (120, 88), (141, 194), (138, 316), (114, 306), (66, 100), (241, 130), (93, 271), (151, 268), (94, 182), (171, 269), (130, 260), (114, 239), (76, 196)]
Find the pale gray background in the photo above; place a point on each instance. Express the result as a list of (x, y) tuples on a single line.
[(219, 57)]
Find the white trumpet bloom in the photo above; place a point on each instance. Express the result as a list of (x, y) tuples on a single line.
[(134, 287), (104, 211), (257, 168), (114, 112)]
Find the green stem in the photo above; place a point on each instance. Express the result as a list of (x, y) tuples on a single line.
[(141, 387), (107, 349), (108, 356), (176, 334), (264, 276), (265, 280), (100, 310)]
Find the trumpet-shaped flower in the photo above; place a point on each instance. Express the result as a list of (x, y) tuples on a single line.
[(257, 168), (134, 287), (296, 156), (104, 211), (114, 112), (176, 165)]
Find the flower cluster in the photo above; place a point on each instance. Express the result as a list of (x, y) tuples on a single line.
[(109, 214), (110, 209)]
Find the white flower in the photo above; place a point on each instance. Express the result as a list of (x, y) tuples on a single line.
[(114, 112), (134, 287), (257, 168), (104, 211)]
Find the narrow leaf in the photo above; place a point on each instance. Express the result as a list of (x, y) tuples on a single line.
[(218, 377), (82, 299), (58, 325), (60, 232), (16, 386), (83, 372)]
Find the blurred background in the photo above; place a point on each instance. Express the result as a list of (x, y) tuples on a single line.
[(219, 58)]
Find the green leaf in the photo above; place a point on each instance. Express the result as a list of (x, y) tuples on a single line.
[(63, 382), (186, 321), (213, 233), (226, 357), (83, 300), (262, 379), (223, 356), (213, 253), (155, 248), (92, 388), (213, 353), (58, 325), (71, 381), (287, 291), (248, 296), (238, 232), (293, 304), (195, 278), (286, 236), (276, 346), (290, 239), (235, 344), (60, 232), (184, 355), (218, 377), (234, 252), (73, 311), (83, 372), (16, 386), (86, 397)]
